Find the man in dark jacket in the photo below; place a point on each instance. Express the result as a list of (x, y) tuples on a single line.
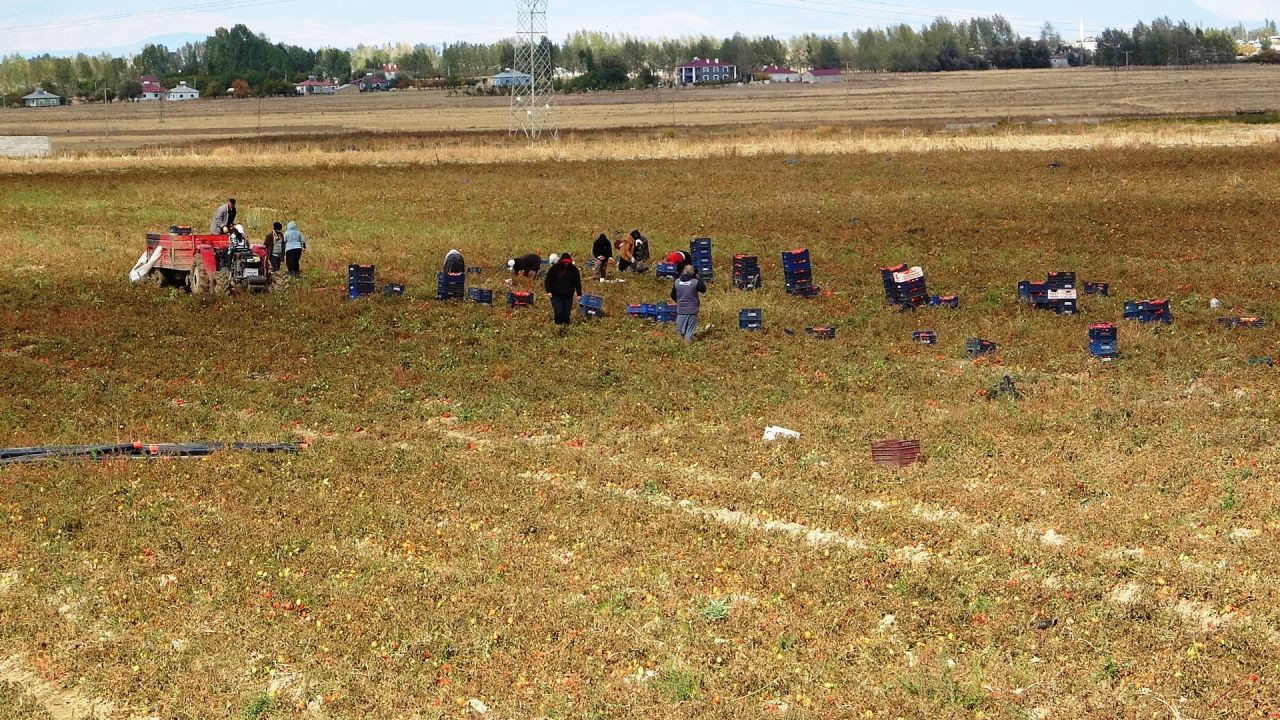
[(602, 250), (454, 262), (685, 291), (274, 243), (563, 281)]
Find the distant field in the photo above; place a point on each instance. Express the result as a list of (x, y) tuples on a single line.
[(925, 99), (587, 525)]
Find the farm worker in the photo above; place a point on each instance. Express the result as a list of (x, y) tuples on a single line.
[(454, 263), (274, 243), (563, 281), (685, 292), (602, 251), (294, 243), (626, 252), (680, 259), (527, 265), (224, 218), (640, 247)]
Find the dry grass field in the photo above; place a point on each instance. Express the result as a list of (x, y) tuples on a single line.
[(496, 519), (930, 100)]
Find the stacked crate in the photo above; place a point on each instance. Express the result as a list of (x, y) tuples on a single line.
[(520, 298), (1057, 293), (1148, 311), (798, 273), (480, 296), (360, 281), (924, 337), (700, 251), (904, 286), (592, 306), (751, 319), (1102, 340), (450, 286), (746, 272)]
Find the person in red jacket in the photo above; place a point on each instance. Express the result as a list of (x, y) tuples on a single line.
[(680, 259)]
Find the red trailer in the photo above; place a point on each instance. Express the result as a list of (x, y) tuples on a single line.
[(207, 263)]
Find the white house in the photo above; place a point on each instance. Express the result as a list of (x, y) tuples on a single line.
[(312, 86), (183, 92), (822, 76), (779, 74), (151, 88)]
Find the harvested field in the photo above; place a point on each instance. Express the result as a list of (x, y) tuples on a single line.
[(498, 519), (927, 100)]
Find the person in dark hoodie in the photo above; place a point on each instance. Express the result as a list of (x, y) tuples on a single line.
[(685, 291), (639, 248), (454, 262), (602, 250), (274, 243), (563, 281), (527, 265)]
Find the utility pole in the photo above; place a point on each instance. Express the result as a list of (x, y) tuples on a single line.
[(1126, 57)]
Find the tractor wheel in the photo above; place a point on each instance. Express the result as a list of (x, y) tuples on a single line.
[(198, 280), (279, 282), (220, 283)]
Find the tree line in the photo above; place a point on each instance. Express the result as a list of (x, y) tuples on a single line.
[(250, 62)]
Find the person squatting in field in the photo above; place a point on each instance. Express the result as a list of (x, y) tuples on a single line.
[(625, 246), (603, 251), (680, 259), (224, 218), (563, 281), (527, 265), (639, 248), (454, 262), (685, 291)]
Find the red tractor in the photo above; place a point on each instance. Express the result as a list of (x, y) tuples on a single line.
[(207, 263)]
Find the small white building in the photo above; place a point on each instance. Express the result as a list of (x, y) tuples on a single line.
[(822, 76), (313, 86), (779, 74), (151, 88), (183, 92)]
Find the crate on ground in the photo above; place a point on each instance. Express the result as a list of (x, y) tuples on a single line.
[(924, 337), (591, 305), (641, 310), (1097, 288), (700, 252), (1148, 311), (821, 332), (746, 272), (392, 290), (520, 298), (450, 286), (666, 270), (751, 319), (1249, 321), (977, 347), (664, 313), (1102, 340), (947, 301), (904, 285), (361, 281), (895, 453), (1057, 292), (480, 296), (474, 270)]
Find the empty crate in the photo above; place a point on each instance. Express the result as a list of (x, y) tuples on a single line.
[(591, 305), (1102, 340), (751, 319), (666, 270), (360, 281), (664, 313), (480, 296)]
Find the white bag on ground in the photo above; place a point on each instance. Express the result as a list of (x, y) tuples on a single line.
[(774, 432)]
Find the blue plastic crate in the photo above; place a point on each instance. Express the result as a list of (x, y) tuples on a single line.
[(924, 337), (392, 290), (666, 270), (480, 296), (664, 313), (640, 310), (1097, 288), (822, 332), (947, 301), (591, 305), (358, 291), (977, 347), (751, 318), (360, 273)]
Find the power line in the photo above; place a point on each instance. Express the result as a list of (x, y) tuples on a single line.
[(208, 5)]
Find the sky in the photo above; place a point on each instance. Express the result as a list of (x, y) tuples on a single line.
[(61, 26)]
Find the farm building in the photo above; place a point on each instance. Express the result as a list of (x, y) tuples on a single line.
[(312, 86), (699, 71), (779, 74), (41, 98), (1059, 61), (151, 88), (371, 82), (508, 78), (183, 92), (822, 76), (391, 72)]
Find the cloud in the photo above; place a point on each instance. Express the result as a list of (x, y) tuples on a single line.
[(1247, 10)]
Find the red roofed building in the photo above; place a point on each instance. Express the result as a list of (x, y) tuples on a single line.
[(699, 71), (312, 86), (823, 76), (151, 88), (779, 74)]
